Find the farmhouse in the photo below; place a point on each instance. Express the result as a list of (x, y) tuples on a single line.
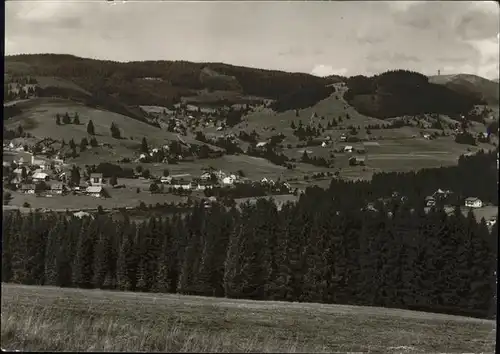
[(441, 194), (348, 148), (430, 201), (28, 188), (81, 214), (166, 180), (58, 188), (206, 176), (355, 161), (228, 180), (96, 179), (202, 185), (94, 191), (40, 176), (39, 162), (473, 202)]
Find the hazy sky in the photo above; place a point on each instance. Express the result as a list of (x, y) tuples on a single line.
[(322, 38)]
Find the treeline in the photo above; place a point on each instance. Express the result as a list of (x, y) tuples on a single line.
[(169, 80), (474, 176), (304, 97), (319, 250), (401, 92)]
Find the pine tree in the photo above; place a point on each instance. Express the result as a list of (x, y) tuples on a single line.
[(190, 265), (216, 238), (115, 131), (90, 128), (126, 259), (76, 119), (83, 264), (58, 119), (51, 269), (83, 144), (93, 142), (66, 119), (144, 146), (75, 176)]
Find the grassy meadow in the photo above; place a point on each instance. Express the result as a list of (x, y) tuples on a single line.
[(55, 319)]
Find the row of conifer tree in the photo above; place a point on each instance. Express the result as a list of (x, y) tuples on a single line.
[(325, 248)]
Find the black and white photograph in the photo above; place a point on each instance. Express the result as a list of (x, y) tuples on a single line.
[(250, 176)]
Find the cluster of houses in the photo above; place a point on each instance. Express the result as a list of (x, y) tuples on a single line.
[(209, 180), (439, 195), (43, 176), (94, 187)]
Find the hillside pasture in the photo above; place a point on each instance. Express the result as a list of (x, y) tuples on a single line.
[(255, 168), (43, 111), (61, 319), (119, 198), (50, 81)]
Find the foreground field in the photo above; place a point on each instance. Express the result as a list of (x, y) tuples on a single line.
[(46, 318)]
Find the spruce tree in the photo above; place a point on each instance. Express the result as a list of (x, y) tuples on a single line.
[(144, 146), (90, 128)]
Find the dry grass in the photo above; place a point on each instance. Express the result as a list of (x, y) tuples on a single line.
[(120, 198), (46, 318)]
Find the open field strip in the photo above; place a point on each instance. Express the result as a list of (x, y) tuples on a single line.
[(48, 318)]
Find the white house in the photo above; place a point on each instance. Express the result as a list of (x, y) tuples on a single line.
[(323, 144), (96, 179), (58, 161), (473, 202), (94, 191), (28, 188), (491, 222), (81, 214), (348, 148), (57, 188), (427, 136), (38, 162), (202, 185), (167, 179), (40, 176), (228, 180), (206, 176), (261, 144), (343, 138), (430, 201)]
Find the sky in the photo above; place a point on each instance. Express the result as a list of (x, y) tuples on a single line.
[(321, 38)]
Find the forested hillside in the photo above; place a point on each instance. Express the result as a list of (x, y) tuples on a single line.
[(161, 83), (322, 249), (402, 92)]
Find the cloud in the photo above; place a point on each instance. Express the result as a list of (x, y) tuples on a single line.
[(365, 38), (392, 57), (326, 70)]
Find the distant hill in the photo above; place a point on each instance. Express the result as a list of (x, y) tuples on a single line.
[(159, 83), (400, 92), (474, 85)]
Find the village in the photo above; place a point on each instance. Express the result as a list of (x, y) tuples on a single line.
[(41, 176)]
